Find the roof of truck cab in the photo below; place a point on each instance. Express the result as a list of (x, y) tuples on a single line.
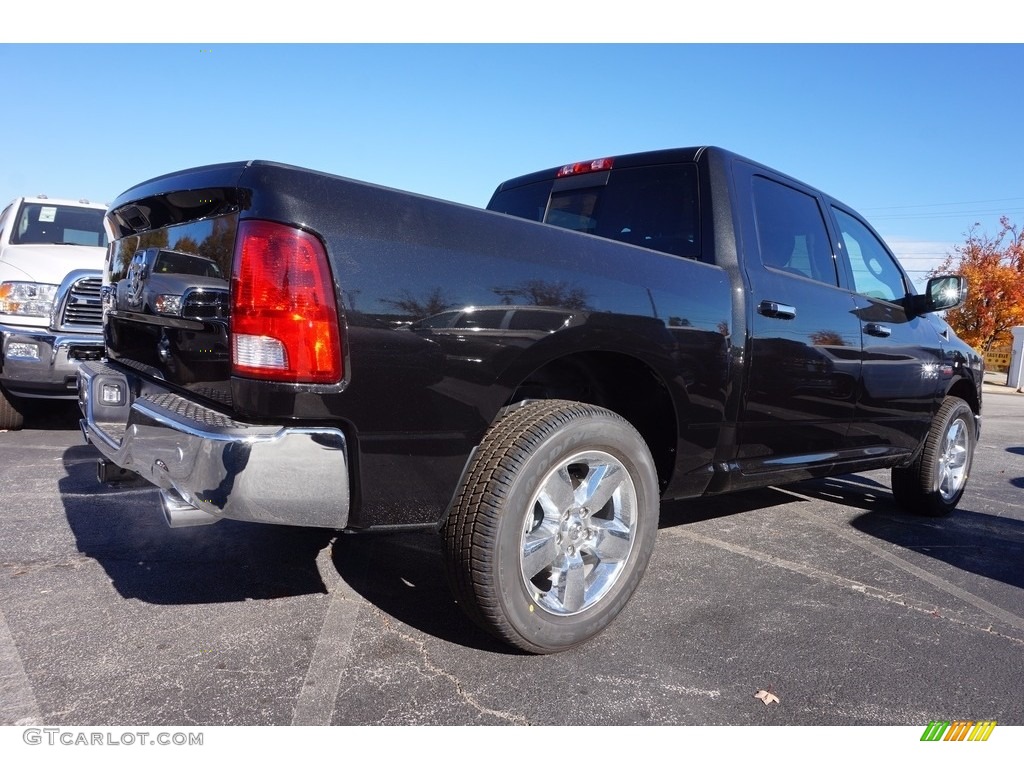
[(45, 200), (631, 160)]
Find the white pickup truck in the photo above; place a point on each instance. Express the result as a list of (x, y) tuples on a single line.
[(51, 262)]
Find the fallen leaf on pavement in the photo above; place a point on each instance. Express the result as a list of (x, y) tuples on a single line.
[(767, 697)]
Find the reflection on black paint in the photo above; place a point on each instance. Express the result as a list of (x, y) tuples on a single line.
[(169, 303)]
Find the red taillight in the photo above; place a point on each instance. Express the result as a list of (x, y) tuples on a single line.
[(284, 319), (590, 166)]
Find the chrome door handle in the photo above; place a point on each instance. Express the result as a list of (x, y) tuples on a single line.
[(876, 329), (774, 309)]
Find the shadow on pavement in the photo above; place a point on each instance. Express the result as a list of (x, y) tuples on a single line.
[(980, 543), (687, 511), (59, 415), (404, 576), (123, 529)]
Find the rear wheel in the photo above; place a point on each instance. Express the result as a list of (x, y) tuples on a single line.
[(554, 524), (934, 483), (11, 415)]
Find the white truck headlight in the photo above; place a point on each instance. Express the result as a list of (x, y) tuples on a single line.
[(168, 304), (27, 299)]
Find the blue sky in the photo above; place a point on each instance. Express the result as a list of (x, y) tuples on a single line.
[(923, 139)]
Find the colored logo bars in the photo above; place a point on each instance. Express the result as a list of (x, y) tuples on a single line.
[(958, 730)]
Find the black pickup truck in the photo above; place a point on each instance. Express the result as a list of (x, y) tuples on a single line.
[(529, 380)]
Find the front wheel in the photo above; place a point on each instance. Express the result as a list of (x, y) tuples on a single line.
[(11, 414), (554, 524), (934, 483)]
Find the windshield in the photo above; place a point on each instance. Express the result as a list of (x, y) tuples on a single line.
[(184, 264), (44, 224)]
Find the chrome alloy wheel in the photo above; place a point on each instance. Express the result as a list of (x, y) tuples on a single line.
[(953, 460), (578, 533)]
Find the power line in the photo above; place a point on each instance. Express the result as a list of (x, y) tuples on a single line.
[(949, 215), (937, 205)]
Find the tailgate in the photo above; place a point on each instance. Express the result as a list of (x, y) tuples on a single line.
[(166, 286)]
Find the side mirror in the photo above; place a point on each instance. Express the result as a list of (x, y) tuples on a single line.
[(941, 293)]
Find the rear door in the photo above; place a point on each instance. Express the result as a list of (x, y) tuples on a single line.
[(804, 342)]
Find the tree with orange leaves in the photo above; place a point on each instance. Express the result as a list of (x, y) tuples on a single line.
[(994, 268)]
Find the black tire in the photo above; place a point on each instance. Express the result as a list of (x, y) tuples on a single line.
[(934, 483), (11, 416), (529, 559)]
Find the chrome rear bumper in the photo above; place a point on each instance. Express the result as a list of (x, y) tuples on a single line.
[(206, 461)]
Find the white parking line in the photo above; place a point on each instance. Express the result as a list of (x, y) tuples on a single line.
[(863, 541), (857, 586), (315, 705), (18, 705)]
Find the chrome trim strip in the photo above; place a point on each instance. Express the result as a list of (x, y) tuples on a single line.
[(58, 320)]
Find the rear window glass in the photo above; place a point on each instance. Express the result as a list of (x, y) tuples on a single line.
[(652, 206)]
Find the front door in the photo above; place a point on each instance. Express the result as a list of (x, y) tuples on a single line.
[(902, 377)]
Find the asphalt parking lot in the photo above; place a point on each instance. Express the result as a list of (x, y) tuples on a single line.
[(823, 593)]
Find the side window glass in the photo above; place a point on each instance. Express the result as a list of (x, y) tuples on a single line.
[(791, 232), (442, 320), (536, 320), (482, 318), (875, 273)]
